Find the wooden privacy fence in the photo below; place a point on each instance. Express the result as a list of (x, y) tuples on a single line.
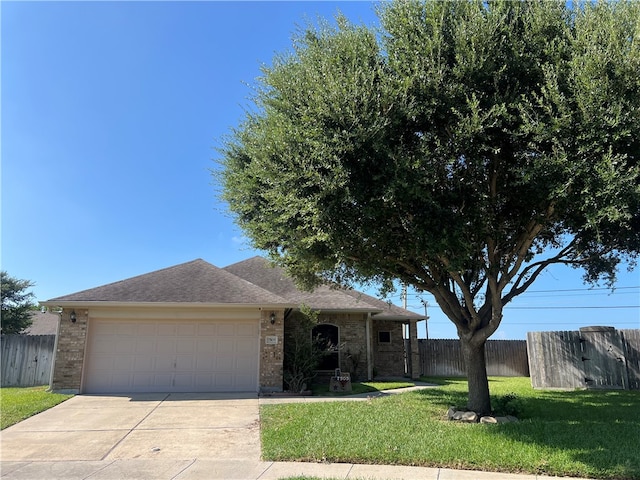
[(505, 358), (26, 359), (594, 357)]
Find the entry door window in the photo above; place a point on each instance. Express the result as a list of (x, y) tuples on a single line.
[(328, 339)]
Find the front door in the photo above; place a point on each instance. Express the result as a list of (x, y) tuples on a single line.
[(329, 341)]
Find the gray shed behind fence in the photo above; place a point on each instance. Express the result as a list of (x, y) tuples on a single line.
[(594, 357)]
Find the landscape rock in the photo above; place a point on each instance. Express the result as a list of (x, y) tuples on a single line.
[(469, 417), (454, 414), (492, 419), (488, 420), (462, 415)]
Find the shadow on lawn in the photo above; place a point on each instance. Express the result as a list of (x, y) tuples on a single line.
[(597, 428)]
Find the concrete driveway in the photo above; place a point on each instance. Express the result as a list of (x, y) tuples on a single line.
[(163, 427)]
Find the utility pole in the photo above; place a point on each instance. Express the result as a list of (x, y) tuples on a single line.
[(426, 317), (405, 327), (404, 296)]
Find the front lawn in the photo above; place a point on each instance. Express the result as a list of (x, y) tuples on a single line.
[(23, 402), (575, 433)]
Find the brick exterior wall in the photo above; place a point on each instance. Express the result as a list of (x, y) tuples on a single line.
[(271, 356), (70, 346), (388, 359)]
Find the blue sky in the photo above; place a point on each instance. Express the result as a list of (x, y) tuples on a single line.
[(111, 113)]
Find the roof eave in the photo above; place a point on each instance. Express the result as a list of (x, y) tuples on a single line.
[(103, 303), (397, 318)]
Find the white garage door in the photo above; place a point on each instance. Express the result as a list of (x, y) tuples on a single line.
[(126, 356)]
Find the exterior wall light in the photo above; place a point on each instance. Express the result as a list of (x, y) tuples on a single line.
[(272, 318), (72, 316)]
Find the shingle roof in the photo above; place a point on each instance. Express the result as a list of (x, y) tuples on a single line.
[(43, 323), (192, 282), (259, 271), (250, 282)]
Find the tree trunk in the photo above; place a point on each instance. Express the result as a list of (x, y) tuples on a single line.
[(479, 399)]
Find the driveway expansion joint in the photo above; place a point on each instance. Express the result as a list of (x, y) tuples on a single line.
[(134, 427)]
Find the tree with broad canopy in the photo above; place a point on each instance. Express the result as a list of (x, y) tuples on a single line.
[(460, 148)]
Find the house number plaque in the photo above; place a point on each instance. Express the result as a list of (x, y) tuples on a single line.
[(340, 382), (271, 340)]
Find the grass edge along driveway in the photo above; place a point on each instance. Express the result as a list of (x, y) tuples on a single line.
[(584, 433), (20, 403)]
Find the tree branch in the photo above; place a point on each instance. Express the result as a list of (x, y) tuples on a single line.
[(531, 272)]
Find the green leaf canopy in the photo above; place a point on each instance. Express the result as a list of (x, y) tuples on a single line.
[(461, 148)]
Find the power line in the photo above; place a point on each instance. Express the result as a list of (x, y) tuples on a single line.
[(612, 290), (587, 289), (572, 307), (617, 294), (550, 322)]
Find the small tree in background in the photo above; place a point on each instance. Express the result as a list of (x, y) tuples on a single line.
[(17, 304)]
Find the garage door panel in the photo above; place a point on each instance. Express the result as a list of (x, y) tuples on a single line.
[(145, 345), (243, 363), (244, 344), (184, 362), (223, 381), (125, 344), (143, 363), (246, 330), (171, 356), (205, 329), (205, 363), (224, 348), (183, 380), (164, 363), (185, 344), (143, 381), (167, 329), (121, 381), (122, 363), (226, 330), (103, 362), (223, 363), (244, 381), (126, 329), (148, 329), (205, 345), (162, 382), (165, 344), (186, 329)]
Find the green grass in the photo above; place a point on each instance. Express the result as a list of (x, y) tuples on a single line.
[(568, 433), (20, 403), (360, 387)]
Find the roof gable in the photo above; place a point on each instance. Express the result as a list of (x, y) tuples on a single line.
[(260, 271), (192, 282)]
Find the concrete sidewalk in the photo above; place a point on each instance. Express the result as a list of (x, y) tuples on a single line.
[(208, 469)]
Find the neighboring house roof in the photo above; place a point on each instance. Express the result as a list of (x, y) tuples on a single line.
[(260, 271), (192, 282), (43, 323), (250, 282)]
